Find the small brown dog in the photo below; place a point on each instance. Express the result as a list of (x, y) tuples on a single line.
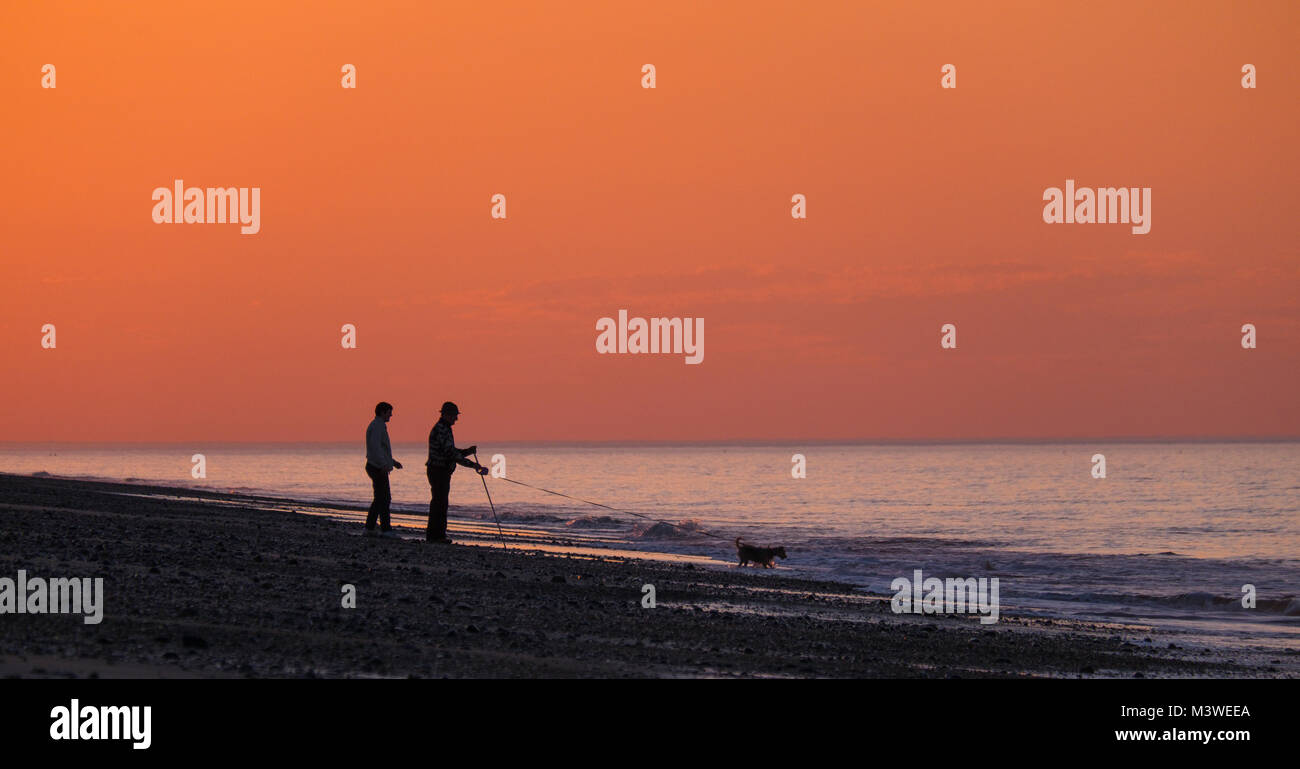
[(763, 555)]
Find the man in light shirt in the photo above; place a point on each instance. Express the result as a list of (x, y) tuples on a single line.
[(379, 463)]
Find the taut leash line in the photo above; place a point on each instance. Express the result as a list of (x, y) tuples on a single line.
[(607, 507)]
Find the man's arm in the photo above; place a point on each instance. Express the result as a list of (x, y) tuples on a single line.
[(464, 461), (393, 464)]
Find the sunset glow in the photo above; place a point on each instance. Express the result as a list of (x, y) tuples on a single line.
[(924, 208)]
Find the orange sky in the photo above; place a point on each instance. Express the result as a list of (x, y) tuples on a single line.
[(924, 208)]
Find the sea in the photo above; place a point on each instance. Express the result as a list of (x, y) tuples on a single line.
[(1200, 538)]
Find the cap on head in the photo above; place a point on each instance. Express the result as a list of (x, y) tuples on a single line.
[(450, 408)]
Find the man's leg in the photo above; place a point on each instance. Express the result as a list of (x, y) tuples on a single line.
[(385, 503), (379, 482), (432, 475), (440, 489)]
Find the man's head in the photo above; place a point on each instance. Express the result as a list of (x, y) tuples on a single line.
[(450, 412), (384, 410)]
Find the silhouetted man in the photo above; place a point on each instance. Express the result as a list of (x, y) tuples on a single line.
[(379, 463), (443, 458)]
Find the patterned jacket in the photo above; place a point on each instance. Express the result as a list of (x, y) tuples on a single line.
[(443, 454)]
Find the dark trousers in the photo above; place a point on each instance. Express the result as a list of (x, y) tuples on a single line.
[(383, 498), (440, 487)]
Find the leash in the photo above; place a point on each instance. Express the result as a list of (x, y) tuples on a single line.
[(501, 537), (607, 507)]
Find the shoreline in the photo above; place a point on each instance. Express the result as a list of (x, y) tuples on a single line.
[(201, 583)]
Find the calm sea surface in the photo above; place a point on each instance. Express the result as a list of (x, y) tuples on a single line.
[(1169, 537)]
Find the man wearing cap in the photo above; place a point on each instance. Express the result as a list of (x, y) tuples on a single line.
[(443, 458)]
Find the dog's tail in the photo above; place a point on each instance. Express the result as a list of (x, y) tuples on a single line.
[(737, 541)]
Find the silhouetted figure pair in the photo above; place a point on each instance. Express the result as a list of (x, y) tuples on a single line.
[(443, 458)]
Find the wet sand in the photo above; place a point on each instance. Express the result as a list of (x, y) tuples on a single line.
[(218, 585)]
